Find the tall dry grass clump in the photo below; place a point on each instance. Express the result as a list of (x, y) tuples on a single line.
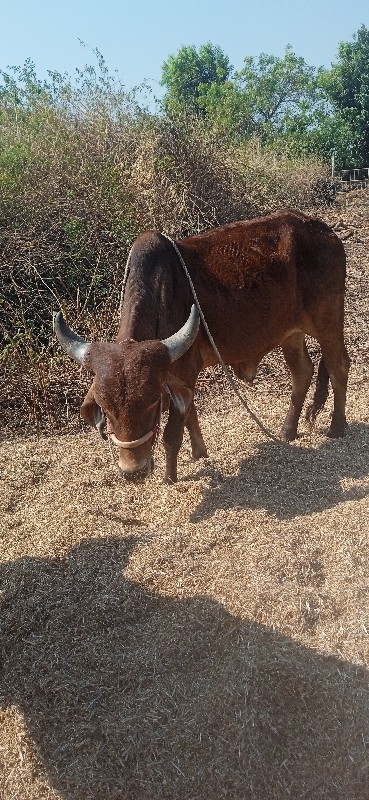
[(83, 170)]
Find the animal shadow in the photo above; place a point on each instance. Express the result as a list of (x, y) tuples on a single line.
[(131, 695), (289, 481)]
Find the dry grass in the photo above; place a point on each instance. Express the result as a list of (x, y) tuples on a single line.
[(204, 641)]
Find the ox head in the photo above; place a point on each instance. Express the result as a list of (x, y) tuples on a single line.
[(129, 380)]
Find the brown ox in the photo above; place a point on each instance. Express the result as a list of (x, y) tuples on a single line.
[(260, 283)]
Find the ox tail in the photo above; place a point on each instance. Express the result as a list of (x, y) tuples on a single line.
[(320, 394)]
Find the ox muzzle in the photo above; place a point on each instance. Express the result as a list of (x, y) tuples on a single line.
[(136, 457)]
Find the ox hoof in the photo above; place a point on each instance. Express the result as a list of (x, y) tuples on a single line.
[(199, 454), (337, 431), (288, 434)]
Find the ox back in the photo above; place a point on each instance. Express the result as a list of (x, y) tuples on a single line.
[(255, 280)]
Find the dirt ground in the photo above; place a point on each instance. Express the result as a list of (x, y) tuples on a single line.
[(200, 641)]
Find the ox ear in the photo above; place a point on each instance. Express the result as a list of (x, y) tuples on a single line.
[(180, 394), (93, 414)]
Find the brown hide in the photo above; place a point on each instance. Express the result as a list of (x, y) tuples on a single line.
[(260, 283)]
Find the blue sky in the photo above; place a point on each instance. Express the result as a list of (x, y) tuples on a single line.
[(135, 38)]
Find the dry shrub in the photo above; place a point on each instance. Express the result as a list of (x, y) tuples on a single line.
[(187, 178), (275, 180)]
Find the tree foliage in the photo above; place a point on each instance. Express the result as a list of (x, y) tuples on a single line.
[(286, 103), (277, 89), (187, 73), (265, 98), (346, 86)]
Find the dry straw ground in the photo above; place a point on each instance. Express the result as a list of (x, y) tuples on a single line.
[(203, 641)]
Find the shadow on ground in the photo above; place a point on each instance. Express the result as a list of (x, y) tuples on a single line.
[(289, 481), (131, 695)]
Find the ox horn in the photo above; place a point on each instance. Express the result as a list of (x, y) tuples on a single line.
[(180, 342), (75, 346)]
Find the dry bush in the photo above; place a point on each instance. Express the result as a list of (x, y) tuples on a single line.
[(276, 180), (187, 178)]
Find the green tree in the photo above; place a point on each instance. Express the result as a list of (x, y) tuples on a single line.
[(273, 98), (279, 100), (228, 108), (187, 73), (346, 86), (278, 89)]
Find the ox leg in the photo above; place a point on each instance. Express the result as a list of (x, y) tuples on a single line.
[(301, 368), (197, 443), (172, 440), (337, 361)]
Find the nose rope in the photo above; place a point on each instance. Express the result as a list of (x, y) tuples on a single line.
[(127, 445), (111, 452)]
